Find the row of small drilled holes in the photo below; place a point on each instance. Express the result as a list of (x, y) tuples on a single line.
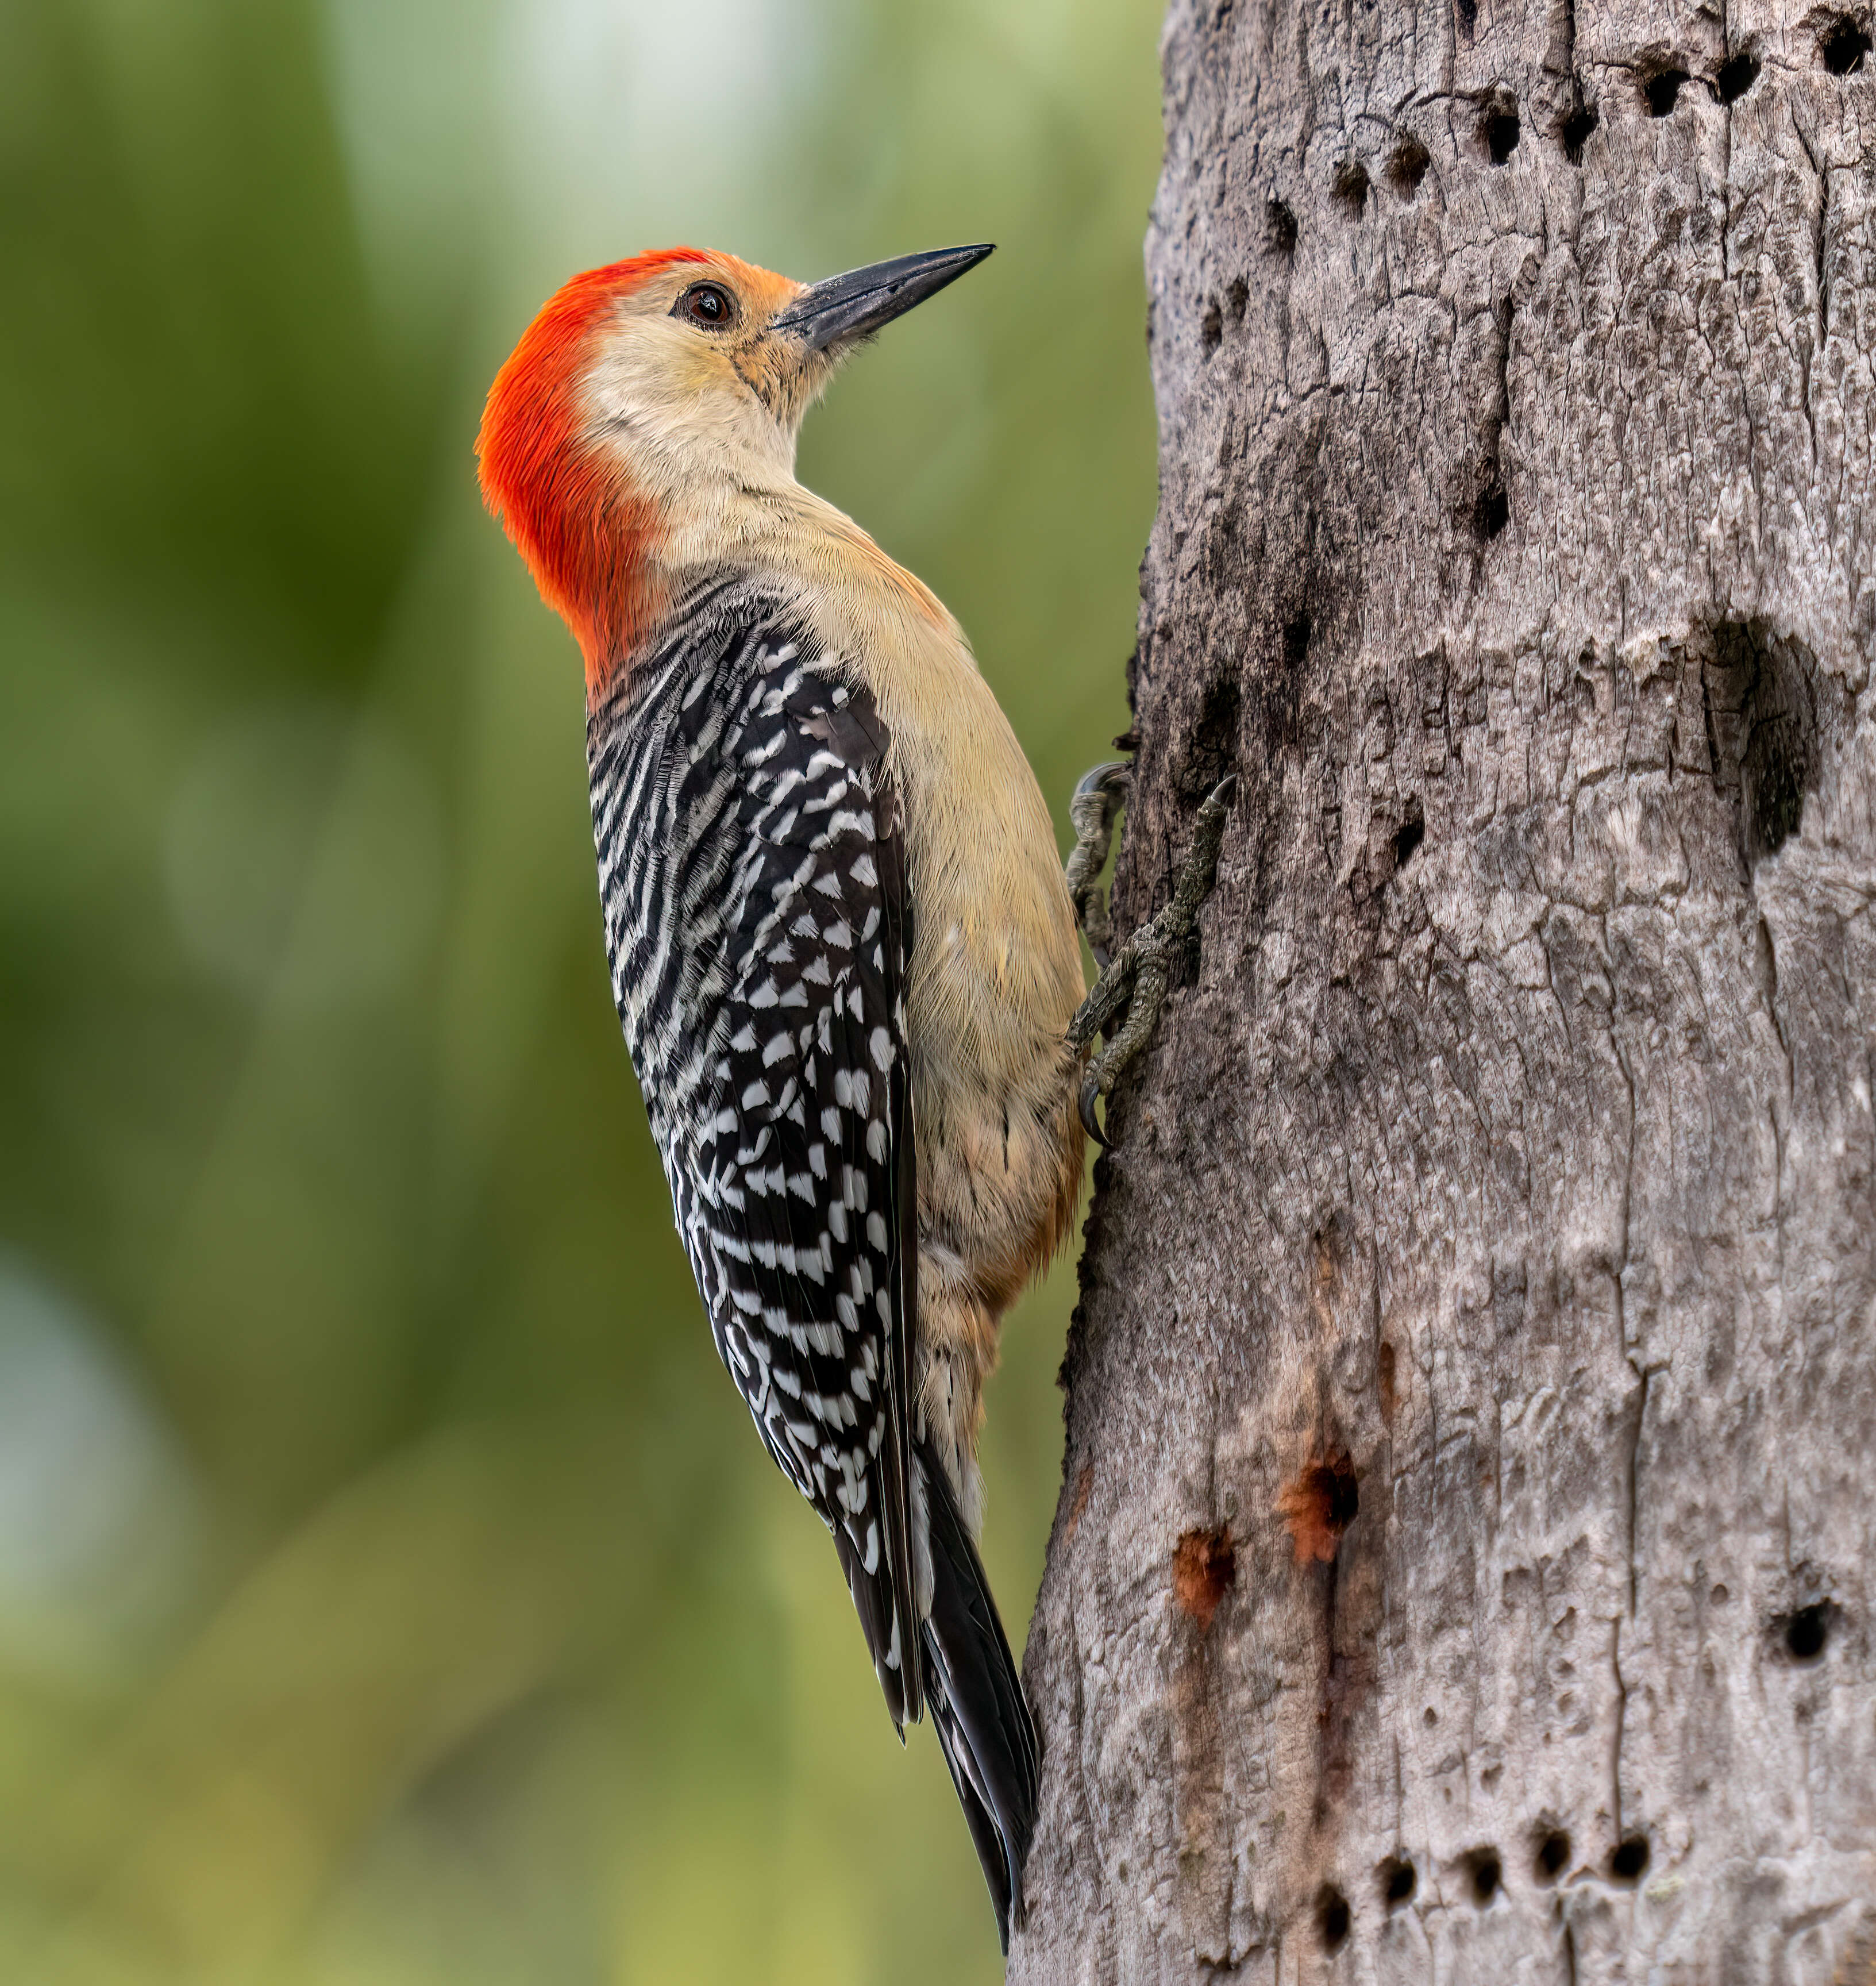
[(1484, 1872), (1840, 47), (1805, 1632)]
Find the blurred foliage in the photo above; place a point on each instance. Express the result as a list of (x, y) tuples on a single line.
[(392, 1590)]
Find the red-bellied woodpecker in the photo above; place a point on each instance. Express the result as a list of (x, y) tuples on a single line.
[(841, 945)]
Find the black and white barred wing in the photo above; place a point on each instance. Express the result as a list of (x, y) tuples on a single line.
[(762, 988)]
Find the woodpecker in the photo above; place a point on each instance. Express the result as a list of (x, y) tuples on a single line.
[(842, 948)]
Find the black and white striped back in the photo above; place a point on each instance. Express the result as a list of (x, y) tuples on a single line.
[(752, 875)]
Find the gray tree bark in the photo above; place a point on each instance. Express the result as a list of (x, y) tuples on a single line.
[(1462, 1568)]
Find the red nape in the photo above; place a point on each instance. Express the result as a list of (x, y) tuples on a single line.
[(584, 535)]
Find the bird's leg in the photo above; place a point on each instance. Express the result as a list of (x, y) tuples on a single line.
[(1132, 990), (1097, 800)]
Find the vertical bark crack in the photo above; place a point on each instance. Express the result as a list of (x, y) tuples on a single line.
[(1622, 1721), (1643, 1375), (1812, 358)]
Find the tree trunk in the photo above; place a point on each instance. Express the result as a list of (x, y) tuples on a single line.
[(1462, 1568)]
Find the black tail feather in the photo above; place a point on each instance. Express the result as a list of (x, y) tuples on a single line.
[(978, 1708)]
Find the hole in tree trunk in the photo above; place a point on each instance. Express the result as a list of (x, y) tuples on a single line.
[(1319, 1504), (1351, 186), (1205, 1568), (1661, 90), (1492, 512), (1805, 1632), (1629, 1864), (1553, 1856), (1737, 74), (1407, 167), (1408, 839), (1332, 1915), (1575, 130), (1843, 45), (1497, 130), (1485, 1872), (1771, 712), (1397, 1880)]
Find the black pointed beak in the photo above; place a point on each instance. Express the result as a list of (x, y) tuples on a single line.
[(844, 307)]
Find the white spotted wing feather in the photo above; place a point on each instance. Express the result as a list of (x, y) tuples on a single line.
[(752, 872)]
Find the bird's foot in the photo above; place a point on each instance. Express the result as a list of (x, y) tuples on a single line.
[(1097, 800), (1132, 991)]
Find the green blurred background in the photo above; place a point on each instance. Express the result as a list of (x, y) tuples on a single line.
[(392, 1589)]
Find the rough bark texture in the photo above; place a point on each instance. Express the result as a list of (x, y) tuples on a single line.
[(1462, 1566)]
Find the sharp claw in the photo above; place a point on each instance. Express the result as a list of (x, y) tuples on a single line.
[(1103, 779), (1091, 1090), (1224, 793)]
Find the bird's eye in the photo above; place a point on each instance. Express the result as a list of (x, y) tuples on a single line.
[(707, 304)]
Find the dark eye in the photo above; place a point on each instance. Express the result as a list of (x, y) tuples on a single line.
[(707, 304)]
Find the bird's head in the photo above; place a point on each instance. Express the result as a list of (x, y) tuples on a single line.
[(655, 391)]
